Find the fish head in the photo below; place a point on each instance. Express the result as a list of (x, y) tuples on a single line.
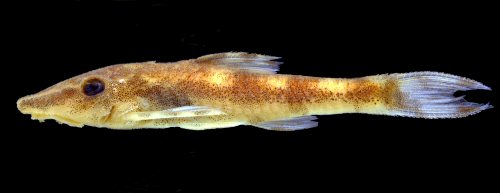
[(97, 98)]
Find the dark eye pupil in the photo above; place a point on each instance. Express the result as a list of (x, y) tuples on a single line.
[(93, 87)]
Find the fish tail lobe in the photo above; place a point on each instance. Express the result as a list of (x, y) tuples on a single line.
[(431, 95)]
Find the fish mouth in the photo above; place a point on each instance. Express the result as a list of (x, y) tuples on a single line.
[(25, 107), (58, 118)]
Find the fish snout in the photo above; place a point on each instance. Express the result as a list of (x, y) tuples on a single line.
[(32, 105), (22, 105), (40, 108)]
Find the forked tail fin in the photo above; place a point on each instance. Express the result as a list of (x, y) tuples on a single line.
[(430, 95)]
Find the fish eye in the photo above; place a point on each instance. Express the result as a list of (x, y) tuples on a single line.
[(93, 87)]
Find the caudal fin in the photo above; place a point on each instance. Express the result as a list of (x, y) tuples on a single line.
[(430, 95)]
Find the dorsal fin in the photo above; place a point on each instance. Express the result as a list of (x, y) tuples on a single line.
[(243, 61)]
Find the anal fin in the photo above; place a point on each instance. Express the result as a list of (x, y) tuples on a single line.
[(292, 124)]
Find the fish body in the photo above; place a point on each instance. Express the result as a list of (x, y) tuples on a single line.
[(231, 89)]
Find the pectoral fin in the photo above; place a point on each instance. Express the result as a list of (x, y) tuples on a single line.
[(178, 112), (292, 124)]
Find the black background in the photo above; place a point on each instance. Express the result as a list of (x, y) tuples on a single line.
[(52, 42)]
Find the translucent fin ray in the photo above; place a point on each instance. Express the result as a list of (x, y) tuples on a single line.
[(243, 61), (430, 95), (185, 111), (291, 124)]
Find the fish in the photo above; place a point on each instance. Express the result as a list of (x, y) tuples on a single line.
[(237, 88)]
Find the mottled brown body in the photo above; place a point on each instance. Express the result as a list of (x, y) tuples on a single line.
[(247, 97)]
